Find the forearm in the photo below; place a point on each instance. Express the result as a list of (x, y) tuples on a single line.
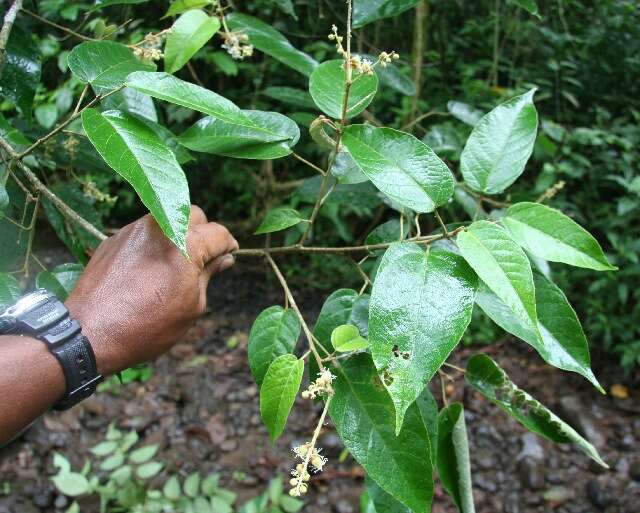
[(31, 381)]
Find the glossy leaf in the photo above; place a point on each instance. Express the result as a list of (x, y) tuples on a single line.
[(268, 135), (503, 267), (492, 382), (390, 231), (368, 11), (287, 7), (20, 75), (171, 89), (10, 290), (61, 280), (327, 88), (454, 468), (561, 343), (363, 414), (382, 501), (268, 40), (189, 33), (420, 307), (401, 166), (279, 219), (500, 145), (137, 154), (347, 338), (278, 392), (104, 64), (343, 306), (549, 234), (274, 333), (180, 6), (464, 112), (344, 168), (428, 408), (290, 96), (133, 102)]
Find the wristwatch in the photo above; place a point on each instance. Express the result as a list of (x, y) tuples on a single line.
[(41, 315)]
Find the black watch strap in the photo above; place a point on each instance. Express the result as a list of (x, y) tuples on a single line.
[(47, 319)]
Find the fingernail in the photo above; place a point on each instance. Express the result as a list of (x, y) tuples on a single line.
[(227, 261)]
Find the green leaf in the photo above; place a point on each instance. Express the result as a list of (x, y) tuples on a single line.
[(368, 11), (218, 505), (104, 64), (454, 467), (171, 489), (133, 102), (291, 504), (192, 485), (336, 310), (274, 333), (382, 501), (561, 343), (428, 408), (180, 6), (148, 470), (267, 135), (268, 40), (112, 462), (290, 96), (61, 280), (4, 199), (327, 88), (104, 448), (389, 231), (71, 483), (549, 234), (122, 475), (279, 219), (421, 305), (143, 454), (344, 168), (363, 414), (492, 382), (46, 115), (189, 33), (10, 290), (464, 112), (500, 145), (278, 392), (224, 62), (137, 154), (20, 75), (401, 166), (286, 6), (347, 338), (391, 76), (171, 89), (527, 5), (503, 267)]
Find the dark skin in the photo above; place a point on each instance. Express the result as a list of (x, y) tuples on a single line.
[(136, 298)]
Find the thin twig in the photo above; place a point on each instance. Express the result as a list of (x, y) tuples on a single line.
[(65, 123), (441, 223), (5, 32), (59, 27), (338, 250), (65, 209), (310, 164), (294, 305)]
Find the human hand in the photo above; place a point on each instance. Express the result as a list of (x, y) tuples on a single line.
[(139, 294)]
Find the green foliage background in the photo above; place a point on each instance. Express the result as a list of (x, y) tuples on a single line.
[(581, 55)]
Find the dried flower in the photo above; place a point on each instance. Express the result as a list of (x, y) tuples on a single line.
[(235, 43), (322, 385)]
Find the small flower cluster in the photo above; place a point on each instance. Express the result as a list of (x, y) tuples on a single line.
[(149, 48), (386, 58), (321, 386), (362, 65), (338, 39), (235, 43), (300, 475)]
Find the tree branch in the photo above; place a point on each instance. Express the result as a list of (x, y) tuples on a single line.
[(59, 27), (5, 32), (260, 252), (40, 187)]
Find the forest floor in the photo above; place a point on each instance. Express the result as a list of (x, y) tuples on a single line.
[(201, 406)]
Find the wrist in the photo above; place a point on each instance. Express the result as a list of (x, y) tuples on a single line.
[(108, 359)]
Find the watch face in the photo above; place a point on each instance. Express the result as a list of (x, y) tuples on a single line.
[(28, 302)]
